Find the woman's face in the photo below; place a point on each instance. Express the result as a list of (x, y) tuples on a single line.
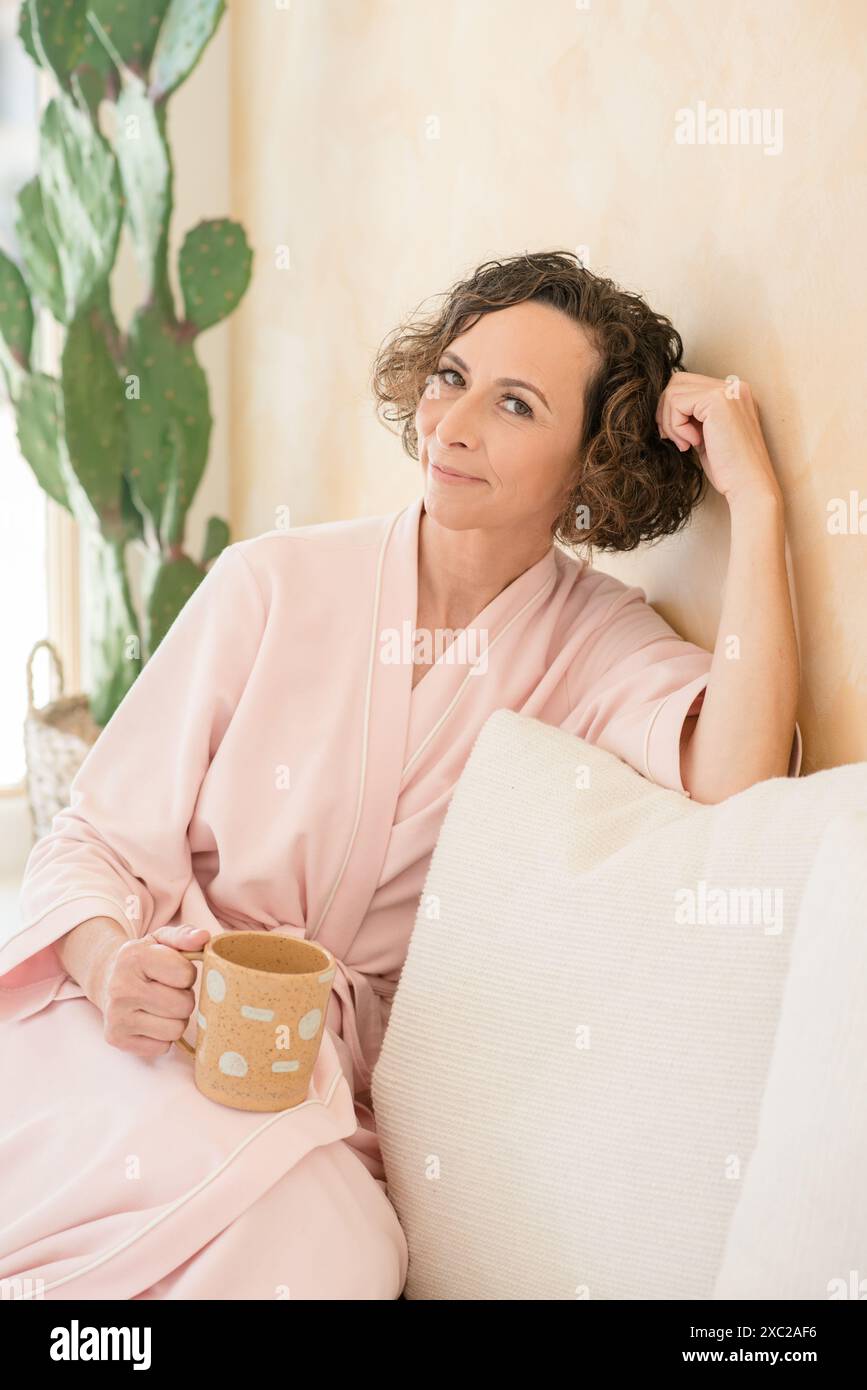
[(519, 443)]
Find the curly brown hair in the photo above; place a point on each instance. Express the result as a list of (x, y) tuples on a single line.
[(634, 485)]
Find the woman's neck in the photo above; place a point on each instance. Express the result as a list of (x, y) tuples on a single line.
[(461, 572)]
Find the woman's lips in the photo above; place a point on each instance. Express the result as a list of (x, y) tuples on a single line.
[(457, 478)]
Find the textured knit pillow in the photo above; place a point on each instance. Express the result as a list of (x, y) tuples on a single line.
[(568, 1091)]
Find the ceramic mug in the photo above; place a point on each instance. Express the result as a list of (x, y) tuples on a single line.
[(263, 999)]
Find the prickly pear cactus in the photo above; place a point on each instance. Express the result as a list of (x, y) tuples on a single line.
[(120, 437)]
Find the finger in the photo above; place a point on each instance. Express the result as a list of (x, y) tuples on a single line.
[(666, 425), (660, 423), (677, 417), (167, 966), (183, 938), (663, 412), (146, 1048), (660, 411), (166, 1001), (686, 429), (145, 1025)]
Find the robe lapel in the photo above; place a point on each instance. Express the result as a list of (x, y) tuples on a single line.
[(451, 678), (383, 702)]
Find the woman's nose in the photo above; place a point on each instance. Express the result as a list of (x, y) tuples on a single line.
[(457, 423)]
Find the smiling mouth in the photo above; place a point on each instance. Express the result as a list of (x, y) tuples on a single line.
[(452, 475)]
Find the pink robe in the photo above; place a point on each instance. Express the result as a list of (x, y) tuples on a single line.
[(273, 770)]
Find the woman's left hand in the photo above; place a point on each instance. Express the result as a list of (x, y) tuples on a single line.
[(720, 418)]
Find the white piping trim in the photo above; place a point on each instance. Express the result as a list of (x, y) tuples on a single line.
[(444, 716), (650, 731), (179, 1202), (656, 713), (370, 669)]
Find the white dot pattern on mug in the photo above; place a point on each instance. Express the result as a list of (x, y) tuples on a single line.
[(233, 1064), (285, 1066), (308, 1025), (216, 986), (249, 1011)]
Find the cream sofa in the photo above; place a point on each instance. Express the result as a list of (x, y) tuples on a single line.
[(627, 1057)]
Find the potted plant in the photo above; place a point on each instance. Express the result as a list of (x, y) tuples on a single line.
[(120, 436)]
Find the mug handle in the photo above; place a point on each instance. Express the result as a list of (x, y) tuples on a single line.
[(182, 1042)]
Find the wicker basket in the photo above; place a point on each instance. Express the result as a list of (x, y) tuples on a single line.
[(57, 738)]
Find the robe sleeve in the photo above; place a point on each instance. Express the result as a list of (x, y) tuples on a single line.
[(633, 684), (120, 849)]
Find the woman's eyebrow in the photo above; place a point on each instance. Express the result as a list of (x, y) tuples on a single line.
[(502, 380)]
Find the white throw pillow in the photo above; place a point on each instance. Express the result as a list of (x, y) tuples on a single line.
[(569, 1087), (800, 1227)]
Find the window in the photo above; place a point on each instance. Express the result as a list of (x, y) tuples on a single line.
[(23, 505)]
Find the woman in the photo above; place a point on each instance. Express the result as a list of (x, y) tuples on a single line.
[(285, 760)]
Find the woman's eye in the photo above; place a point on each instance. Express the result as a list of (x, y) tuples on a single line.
[(448, 371), (525, 412)]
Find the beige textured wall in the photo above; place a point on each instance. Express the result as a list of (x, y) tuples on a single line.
[(390, 145)]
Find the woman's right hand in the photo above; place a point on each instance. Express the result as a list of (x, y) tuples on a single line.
[(146, 993)]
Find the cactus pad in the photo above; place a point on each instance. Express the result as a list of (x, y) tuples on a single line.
[(143, 159), (54, 32), (216, 539), (185, 32), (169, 384), (214, 270), (16, 312), (39, 418), (132, 27), (81, 198), (95, 416), (38, 252), (167, 588)]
